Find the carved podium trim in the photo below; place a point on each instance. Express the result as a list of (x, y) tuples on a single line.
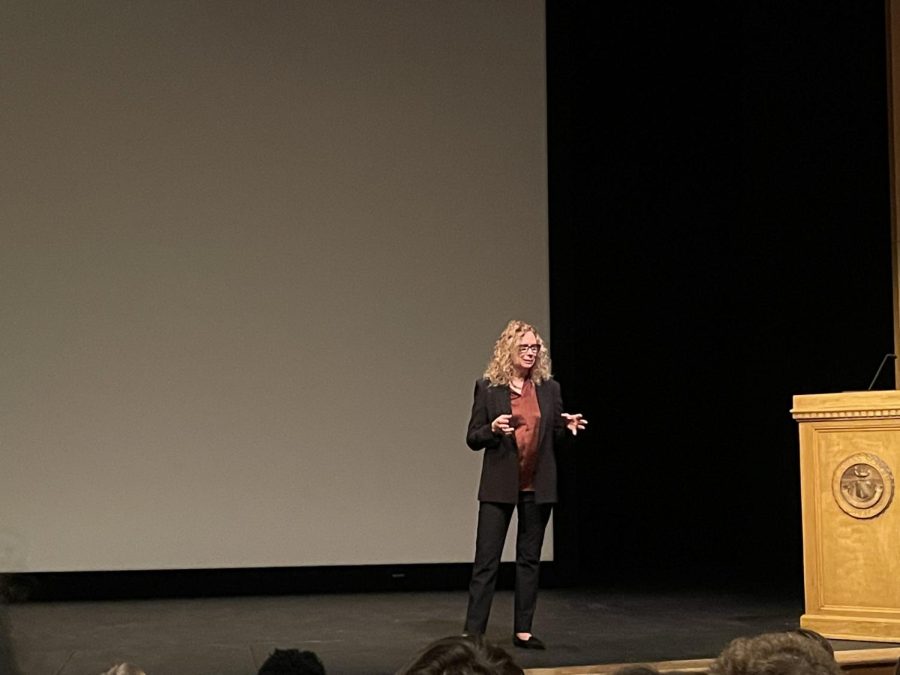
[(845, 414)]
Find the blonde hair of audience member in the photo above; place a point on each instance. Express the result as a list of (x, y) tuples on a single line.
[(788, 653), (462, 655), (124, 669)]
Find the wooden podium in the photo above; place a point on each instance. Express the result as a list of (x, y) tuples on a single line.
[(849, 456)]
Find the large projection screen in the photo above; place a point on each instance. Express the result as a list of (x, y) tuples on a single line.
[(254, 256)]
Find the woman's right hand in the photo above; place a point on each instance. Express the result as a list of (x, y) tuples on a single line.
[(501, 425)]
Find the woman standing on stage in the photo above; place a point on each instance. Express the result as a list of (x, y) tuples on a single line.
[(517, 419)]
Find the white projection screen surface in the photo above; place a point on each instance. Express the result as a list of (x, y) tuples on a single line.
[(254, 256)]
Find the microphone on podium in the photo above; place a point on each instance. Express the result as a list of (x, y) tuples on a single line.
[(878, 372)]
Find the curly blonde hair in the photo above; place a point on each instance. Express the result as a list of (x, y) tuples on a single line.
[(500, 370)]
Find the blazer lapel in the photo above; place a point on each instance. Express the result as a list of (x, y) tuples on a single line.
[(501, 399), (546, 406)]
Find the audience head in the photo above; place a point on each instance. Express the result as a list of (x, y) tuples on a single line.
[(818, 637), (124, 669), (292, 662), (462, 655), (787, 653)]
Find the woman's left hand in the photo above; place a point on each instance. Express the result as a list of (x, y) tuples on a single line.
[(575, 422)]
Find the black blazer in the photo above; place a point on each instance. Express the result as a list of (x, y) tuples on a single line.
[(500, 468)]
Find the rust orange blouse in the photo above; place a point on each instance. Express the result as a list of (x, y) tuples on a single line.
[(527, 421)]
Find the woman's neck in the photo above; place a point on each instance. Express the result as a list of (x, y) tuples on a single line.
[(519, 376)]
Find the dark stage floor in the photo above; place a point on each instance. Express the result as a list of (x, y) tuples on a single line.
[(374, 633)]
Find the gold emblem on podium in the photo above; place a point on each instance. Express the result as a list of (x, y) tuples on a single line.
[(863, 485)]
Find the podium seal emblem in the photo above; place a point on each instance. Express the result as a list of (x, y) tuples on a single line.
[(863, 485)]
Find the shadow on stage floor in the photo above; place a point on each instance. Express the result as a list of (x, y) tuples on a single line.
[(373, 633)]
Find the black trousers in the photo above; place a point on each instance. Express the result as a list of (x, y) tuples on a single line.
[(493, 522)]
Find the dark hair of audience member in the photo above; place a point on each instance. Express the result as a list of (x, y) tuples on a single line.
[(292, 662), (462, 655), (787, 653), (818, 637)]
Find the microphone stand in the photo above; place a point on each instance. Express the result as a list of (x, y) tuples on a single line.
[(878, 372)]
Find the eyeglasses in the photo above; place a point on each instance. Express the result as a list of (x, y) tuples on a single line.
[(534, 349)]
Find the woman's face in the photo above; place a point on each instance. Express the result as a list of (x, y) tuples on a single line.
[(525, 353)]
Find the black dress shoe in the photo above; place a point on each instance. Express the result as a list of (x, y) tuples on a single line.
[(530, 643)]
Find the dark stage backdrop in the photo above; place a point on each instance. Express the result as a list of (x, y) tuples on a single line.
[(719, 206)]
